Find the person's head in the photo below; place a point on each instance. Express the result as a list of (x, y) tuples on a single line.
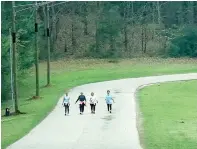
[(81, 93), (108, 91), (66, 94), (92, 94)]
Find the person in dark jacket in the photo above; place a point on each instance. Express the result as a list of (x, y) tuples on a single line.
[(82, 102)]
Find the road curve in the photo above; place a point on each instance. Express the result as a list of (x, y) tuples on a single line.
[(100, 131)]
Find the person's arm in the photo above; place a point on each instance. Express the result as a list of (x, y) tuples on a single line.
[(63, 101), (76, 100), (85, 100), (113, 99), (69, 100)]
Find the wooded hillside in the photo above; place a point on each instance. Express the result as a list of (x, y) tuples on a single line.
[(100, 30)]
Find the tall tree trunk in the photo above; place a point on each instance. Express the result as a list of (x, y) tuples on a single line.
[(158, 13), (180, 14), (36, 51), (142, 39), (85, 19), (57, 27), (45, 20), (48, 47), (112, 47), (73, 39), (125, 27), (145, 38), (153, 20), (97, 22), (65, 46), (132, 32), (195, 13), (125, 38), (53, 37), (190, 12), (14, 57), (132, 11)]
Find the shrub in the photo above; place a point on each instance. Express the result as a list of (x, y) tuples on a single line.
[(184, 43)]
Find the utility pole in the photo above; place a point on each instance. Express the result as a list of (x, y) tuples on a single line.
[(11, 72), (14, 66), (48, 47), (36, 50)]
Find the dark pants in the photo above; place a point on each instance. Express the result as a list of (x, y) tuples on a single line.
[(109, 107), (66, 108), (81, 107), (93, 107)]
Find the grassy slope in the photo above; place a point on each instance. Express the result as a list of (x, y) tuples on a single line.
[(69, 73), (164, 109)]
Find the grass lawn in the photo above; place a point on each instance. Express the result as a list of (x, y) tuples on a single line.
[(169, 115), (69, 73)]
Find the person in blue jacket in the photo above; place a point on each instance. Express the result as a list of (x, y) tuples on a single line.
[(109, 100), (82, 102)]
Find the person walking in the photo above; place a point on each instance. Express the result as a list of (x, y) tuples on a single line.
[(109, 100), (66, 103), (93, 102), (82, 102)]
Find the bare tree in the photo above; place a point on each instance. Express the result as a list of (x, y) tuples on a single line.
[(153, 20), (125, 25), (53, 33), (158, 13), (190, 12), (73, 38), (45, 19), (85, 18), (97, 22)]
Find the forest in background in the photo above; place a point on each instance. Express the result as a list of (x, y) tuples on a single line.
[(100, 30)]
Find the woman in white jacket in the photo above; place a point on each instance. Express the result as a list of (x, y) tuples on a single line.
[(93, 102), (66, 103)]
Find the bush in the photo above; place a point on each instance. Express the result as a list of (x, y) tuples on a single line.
[(153, 48), (184, 43)]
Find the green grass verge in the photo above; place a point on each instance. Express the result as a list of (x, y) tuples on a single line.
[(69, 73), (169, 115)]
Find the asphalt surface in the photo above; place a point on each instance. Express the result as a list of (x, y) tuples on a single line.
[(102, 130)]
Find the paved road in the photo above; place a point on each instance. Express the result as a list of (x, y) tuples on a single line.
[(100, 131)]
